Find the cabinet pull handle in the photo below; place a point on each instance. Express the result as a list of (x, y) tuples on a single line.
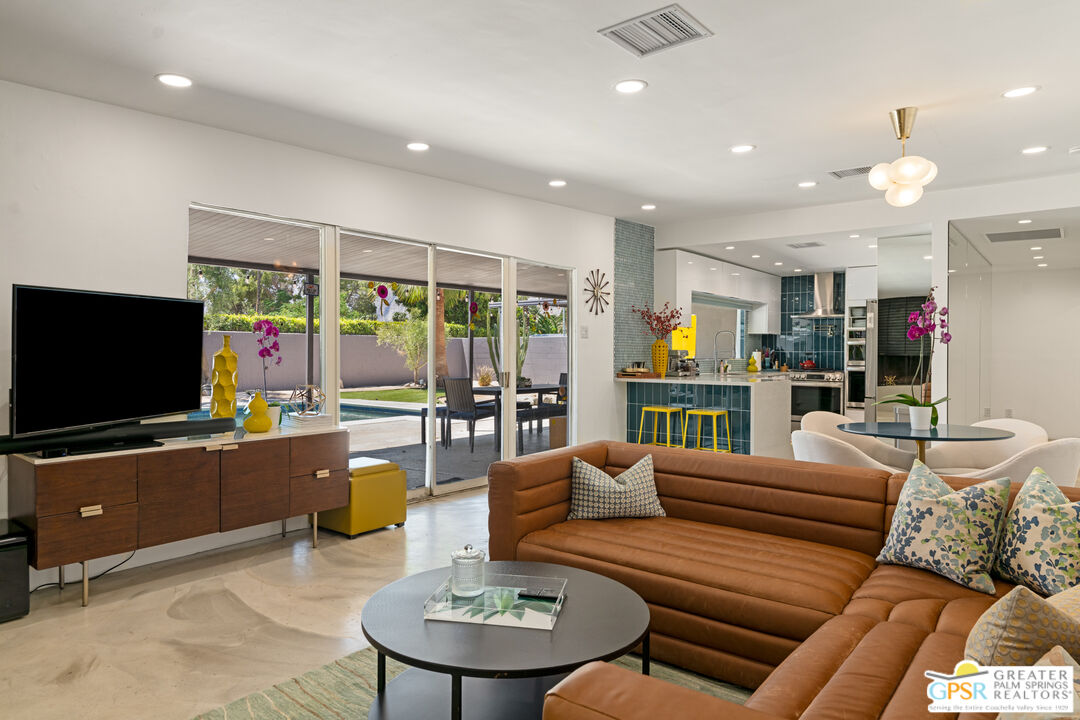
[(90, 511), (211, 448), (226, 448), (322, 474)]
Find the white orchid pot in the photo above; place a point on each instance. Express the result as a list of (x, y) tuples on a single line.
[(920, 417)]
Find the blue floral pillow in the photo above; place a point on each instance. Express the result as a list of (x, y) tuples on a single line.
[(1041, 544), (952, 533)]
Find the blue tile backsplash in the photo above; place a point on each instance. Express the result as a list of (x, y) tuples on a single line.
[(819, 339), (733, 398)]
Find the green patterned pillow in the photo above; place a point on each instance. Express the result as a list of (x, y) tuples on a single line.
[(949, 532), (595, 495), (1020, 628), (1040, 547)]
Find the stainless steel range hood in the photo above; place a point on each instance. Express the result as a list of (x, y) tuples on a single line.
[(824, 299)]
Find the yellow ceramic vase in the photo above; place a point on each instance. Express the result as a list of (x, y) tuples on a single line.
[(258, 421), (223, 396), (660, 357)]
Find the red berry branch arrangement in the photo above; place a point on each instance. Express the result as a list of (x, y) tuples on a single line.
[(661, 322)]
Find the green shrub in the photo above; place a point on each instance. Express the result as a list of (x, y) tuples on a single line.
[(286, 324)]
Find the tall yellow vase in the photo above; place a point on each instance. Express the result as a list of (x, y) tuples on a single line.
[(660, 353), (223, 397), (258, 421)]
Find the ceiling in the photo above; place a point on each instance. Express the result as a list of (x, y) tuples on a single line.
[(514, 93), (1013, 255), (242, 241)]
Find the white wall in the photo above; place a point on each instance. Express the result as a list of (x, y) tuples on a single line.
[(96, 196), (1034, 346), (935, 209)]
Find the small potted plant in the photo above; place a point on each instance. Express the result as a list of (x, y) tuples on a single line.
[(660, 324), (929, 325), (270, 353)]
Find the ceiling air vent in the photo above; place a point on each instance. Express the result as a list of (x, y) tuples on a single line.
[(850, 172), (807, 244), (655, 31), (1026, 235)]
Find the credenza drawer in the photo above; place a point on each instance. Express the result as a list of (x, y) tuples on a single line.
[(64, 487), (96, 532), (324, 451), (313, 493)]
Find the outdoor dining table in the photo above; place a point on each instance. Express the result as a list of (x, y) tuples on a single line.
[(940, 433), (497, 391)]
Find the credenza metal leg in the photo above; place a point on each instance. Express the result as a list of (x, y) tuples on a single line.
[(60, 572), (314, 529), (85, 583), (283, 528)]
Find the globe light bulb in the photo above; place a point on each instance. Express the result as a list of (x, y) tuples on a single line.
[(909, 169), (879, 176), (930, 175), (903, 194)]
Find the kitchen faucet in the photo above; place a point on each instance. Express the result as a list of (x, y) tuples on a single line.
[(716, 352)]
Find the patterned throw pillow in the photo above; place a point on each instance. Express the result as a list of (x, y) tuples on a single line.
[(1020, 628), (595, 495), (1057, 657), (949, 532), (1041, 544)]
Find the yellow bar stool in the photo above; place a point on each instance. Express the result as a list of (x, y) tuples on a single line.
[(701, 415), (657, 411)]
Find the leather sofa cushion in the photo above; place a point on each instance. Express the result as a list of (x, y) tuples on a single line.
[(856, 667), (781, 586), (890, 586)]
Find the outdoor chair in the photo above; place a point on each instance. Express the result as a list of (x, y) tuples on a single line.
[(461, 405)]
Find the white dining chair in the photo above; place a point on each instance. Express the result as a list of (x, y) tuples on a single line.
[(826, 423), (966, 458), (821, 448), (1060, 459)]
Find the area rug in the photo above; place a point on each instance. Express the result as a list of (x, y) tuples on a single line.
[(346, 687)]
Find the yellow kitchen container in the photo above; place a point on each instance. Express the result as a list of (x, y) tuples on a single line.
[(376, 498)]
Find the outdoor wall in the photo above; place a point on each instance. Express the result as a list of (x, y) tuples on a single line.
[(544, 361), (633, 283), (96, 197)]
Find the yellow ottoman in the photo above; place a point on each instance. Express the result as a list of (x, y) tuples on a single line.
[(376, 498)]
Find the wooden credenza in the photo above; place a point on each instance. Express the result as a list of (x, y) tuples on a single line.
[(86, 507)]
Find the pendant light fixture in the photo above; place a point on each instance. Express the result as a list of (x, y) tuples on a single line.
[(903, 179)]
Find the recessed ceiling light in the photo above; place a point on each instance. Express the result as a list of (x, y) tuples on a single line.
[(855, 235), (755, 256), (1036, 247), (268, 239), (712, 268), (1042, 264), (1024, 222), (648, 206), (629, 87), (730, 247), (807, 184), (927, 257), (778, 264), (735, 274), (798, 269), (174, 80), (368, 250), (1020, 91), (1038, 257), (951, 270), (557, 183), (740, 149), (689, 262), (418, 146), (1035, 150), (871, 246)]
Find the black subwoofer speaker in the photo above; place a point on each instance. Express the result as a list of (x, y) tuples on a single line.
[(14, 572)]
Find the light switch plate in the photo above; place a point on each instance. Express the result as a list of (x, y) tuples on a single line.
[(584, 332)]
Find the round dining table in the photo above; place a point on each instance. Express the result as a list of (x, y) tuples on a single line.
[(940, 433)]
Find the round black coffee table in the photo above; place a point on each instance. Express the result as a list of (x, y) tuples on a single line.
[(506, 670), (938, 433)]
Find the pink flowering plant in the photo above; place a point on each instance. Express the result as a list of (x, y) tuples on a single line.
[(269, 349), (928, 326)]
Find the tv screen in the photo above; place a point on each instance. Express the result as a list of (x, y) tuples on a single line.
[(85, 359)]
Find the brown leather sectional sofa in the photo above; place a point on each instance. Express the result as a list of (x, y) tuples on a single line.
[(762, 574)]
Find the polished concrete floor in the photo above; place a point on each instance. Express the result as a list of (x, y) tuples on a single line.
[(177, 638)]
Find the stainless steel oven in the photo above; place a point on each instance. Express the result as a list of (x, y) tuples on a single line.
[(813, 390)]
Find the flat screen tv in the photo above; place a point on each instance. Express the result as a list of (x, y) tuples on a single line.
[(84, 359)]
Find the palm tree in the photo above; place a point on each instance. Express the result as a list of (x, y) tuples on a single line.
[(415, 297)]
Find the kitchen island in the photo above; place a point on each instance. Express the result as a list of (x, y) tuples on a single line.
[(758, 405)]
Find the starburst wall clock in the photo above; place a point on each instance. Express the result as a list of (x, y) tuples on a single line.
[(596, 293)]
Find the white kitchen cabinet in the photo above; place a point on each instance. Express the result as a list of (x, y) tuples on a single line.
[(860, 285), (678, 274)]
